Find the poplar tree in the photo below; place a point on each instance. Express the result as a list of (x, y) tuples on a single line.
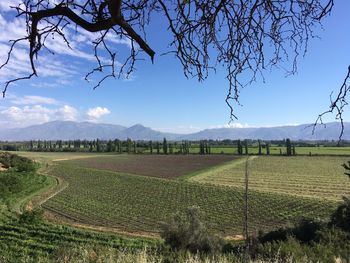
[(150, 147), (246, 146), (239, 147), (165, 146), (289, 147)]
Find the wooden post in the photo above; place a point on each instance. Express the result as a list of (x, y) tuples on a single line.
[(245, 223)]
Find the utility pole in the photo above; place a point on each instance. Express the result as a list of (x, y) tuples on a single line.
[(245, 223)]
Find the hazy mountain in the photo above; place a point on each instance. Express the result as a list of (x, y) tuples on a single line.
[(68, 130), (330, 131)]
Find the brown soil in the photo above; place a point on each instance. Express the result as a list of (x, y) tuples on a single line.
[(2, 168), (234, 238), (163, 166)]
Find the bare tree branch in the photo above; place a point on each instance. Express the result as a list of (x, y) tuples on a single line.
[(246, 36), (337, 106)]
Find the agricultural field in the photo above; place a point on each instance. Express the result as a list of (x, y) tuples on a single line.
[(138, 204), (319, 177), (37, 242), (163, 166), (47, 158), (136, 194)]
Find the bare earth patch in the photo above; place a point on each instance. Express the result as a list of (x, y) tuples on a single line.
[(163, 166), (2, 168)]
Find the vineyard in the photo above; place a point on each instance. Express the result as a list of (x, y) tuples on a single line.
[(28, 242), (136, 194), (317, 177), (139, 203)]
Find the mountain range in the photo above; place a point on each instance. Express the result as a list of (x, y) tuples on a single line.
[(69, 130)]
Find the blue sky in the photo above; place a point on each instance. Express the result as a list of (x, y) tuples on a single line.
[(159, 95)]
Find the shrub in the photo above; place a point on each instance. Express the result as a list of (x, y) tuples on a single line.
[(19, 163), (31, 217), (188, 232), (341, 217), (10, 183)]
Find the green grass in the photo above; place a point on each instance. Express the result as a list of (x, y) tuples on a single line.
[(32, 184), (316, 177), (138, 203)]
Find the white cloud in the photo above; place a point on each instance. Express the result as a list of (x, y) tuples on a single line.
[(97, 112), (67, 113), (5, 6), (231, 125), (17, 116), (33, 100)]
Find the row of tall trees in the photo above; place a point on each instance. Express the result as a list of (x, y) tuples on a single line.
[(290, 148), (202, 147)]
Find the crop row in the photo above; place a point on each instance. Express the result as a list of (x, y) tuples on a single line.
[(320, 177), (139, 203), (33, 241)]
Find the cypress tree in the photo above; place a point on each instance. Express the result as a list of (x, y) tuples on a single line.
[(135, 147), (259, 142), (239, 147), (267, 149), (165, 146), (289, 147), (246, 146), (201, 147), (128, 145), (151, 147)]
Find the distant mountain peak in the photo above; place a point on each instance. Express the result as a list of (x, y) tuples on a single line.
[(70, 130)]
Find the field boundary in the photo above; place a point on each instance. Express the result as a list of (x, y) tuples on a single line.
[(208, 172)]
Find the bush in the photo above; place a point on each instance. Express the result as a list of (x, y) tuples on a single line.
[(31, 217), (9, 184), (304, 231), (341, 217), (188, 232), (20, 164)]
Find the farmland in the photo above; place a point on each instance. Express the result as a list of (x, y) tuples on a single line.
[(30, 242), (317, 177), (129, 202), (163, 166), (134, 195)]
